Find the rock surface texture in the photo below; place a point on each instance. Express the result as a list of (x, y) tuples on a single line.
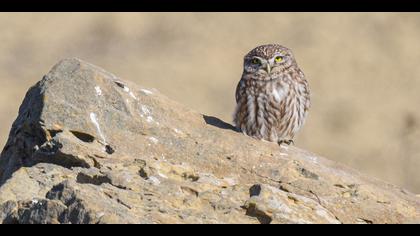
[(88, 147)]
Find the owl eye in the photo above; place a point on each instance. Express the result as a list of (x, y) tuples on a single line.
[(255, 61), (278, 59)]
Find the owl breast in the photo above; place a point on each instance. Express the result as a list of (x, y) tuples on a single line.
[(270, 110)]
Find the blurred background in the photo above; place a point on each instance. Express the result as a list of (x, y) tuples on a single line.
[(363, 69)]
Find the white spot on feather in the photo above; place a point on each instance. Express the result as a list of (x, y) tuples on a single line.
[(278, 94), (251, 111), (261, 100)]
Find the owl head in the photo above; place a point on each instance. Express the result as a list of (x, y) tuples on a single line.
[(266, 60)]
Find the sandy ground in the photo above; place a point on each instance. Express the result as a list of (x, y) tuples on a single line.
[(363, 69)]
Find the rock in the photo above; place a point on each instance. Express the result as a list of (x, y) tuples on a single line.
[(88, 147)]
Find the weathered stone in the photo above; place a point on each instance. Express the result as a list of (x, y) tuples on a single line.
[(88, 147), (8, 212), (272, 205)]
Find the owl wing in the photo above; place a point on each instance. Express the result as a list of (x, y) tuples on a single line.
[(239, 90), (307, 99), (306, 94)]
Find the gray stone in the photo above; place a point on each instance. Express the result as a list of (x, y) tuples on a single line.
[(89, 147)]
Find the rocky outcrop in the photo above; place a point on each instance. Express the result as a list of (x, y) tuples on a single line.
[(88, 147)]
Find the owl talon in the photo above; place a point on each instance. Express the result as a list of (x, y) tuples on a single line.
[(288, 142)]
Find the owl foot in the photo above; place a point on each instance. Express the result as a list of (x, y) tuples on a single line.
[(288, 142)]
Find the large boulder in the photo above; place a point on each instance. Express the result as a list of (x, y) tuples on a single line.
[(89, 147)]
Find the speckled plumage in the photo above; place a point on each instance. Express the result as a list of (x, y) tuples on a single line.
[(272, 96)]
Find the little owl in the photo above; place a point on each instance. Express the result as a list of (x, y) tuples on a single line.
[(272, 96)]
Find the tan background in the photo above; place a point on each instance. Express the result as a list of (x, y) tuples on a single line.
[(363, 68)]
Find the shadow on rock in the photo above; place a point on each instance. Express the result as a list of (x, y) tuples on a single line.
[(211, 120)]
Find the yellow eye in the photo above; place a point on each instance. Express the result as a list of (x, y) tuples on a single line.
[(278, 59), (255, 61)]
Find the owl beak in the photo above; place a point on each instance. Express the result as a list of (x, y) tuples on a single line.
[(268, 68)]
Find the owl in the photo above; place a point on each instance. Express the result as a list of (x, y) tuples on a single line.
[(272, 97)]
